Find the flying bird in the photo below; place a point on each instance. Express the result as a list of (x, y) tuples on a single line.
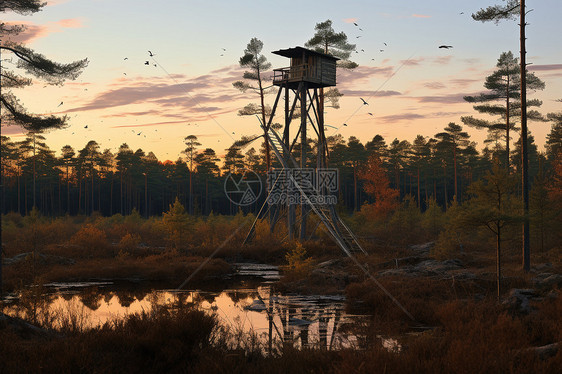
[(355, 24), (86, 126), (364, 102), (360, 29), (362, 50), (59, 104), (139, 133), (385, 44), (150, 54), (147, 63), (126, 58), (224, 49), (381, 50), (370, 113), (446, 46), (345, 124), (358, 36)]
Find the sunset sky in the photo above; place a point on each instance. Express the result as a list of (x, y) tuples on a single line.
[(412, 86)]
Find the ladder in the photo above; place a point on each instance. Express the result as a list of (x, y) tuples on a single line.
[(337, 229)]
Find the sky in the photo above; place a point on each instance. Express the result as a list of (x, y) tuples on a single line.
[(412, 87)]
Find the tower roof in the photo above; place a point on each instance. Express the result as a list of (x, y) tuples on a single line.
[(297, 52)]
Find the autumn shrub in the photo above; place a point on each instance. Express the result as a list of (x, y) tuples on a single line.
[(91, 241), (129, 243), (56, 231), (299, 264), (178, 225)]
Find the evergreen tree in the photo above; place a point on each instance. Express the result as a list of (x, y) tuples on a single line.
[(190, 151), (327, 40), (34, 64), (504, 87), (254, 60), (492, 206), (456, 140), (554, 138)]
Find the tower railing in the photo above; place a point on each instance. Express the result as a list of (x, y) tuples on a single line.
[(295, 73)]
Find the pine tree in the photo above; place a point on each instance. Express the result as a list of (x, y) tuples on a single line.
[(34, 64), (504, 86), (456, 140), (492, 205), (327, 40), (254, 60)]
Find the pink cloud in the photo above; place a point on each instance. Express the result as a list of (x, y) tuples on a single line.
[(70, 23), (350, 20), (420, 16), (30, 33), (33, 31)]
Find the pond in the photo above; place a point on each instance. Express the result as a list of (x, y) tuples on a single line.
[(301, 320)]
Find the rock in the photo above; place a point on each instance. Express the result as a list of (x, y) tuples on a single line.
[(547, 280), (41, 258), (546, 351), (256, 306), (422, 248), (518, 299), (434, 266), (541, 267)]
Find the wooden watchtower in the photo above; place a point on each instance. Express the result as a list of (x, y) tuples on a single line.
[(309, 72), (301, 85)]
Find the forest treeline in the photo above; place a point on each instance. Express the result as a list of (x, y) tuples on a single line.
[(90, 179)]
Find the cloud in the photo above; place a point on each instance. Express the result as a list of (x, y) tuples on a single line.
[(13, 131), (420, 16), (350, 20), (361, 74), (33, 31), (366, 93), (70, 23), (443, 99), (413, 61), (444, 60), (547, 67), (205, 93), (30, 33), (434, 85), (400, 117), (463, 82)]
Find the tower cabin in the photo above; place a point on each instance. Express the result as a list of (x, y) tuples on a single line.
[(315, 68)]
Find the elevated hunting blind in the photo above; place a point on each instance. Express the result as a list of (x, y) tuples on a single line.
[(308, 179), (315, 68)]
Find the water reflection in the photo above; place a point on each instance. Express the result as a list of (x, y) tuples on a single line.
[(303, 321)]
